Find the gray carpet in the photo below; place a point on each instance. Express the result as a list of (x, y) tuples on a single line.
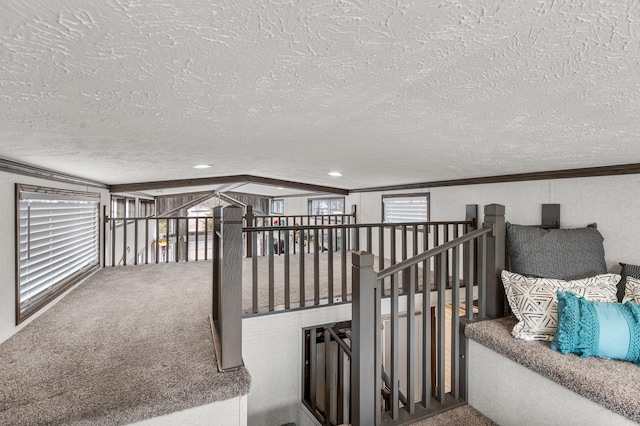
[(465, 415), (128, 344), (610, 383)]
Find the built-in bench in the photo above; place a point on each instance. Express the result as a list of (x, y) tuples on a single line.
[(526, 382)]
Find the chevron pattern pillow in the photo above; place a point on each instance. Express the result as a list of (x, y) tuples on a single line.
[(628, 272), (535, 304), (632, 290)]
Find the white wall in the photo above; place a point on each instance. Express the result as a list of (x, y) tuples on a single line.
[(272, 352), (8, 236), (231, 412), (529, 400), (300, 205), (609, 201)]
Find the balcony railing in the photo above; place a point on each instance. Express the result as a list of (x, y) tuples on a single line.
[(144, 240)]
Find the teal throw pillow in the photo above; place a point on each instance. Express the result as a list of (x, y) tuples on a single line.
[(592, 328)]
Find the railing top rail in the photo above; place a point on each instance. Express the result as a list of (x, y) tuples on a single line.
[(156, 218), (303, 215), (349, 226), (433, 252)]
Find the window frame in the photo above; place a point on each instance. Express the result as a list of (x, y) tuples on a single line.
[(147, 207), (425, 195), (56, 289), (280, 202), (117, 204), (328, 199)]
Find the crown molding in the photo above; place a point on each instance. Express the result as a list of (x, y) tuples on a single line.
[(39, 172), (621, 169)]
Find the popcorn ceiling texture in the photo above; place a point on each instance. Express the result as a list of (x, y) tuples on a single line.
[(126, 91)]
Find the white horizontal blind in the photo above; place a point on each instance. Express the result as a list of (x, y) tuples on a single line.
[(413, 208), (58, 241)]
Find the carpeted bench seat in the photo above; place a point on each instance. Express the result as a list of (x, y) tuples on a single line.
[(610, 383)]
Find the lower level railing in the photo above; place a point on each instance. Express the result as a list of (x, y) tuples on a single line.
[(419, 384), (327, 373)]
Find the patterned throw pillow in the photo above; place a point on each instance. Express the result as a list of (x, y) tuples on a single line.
[(632, 290), (589, 328), (534, 301), (628, 271)]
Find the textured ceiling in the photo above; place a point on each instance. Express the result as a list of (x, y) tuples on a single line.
[(124, 91)]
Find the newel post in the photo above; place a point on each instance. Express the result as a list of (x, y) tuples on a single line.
[(248, 220), (227, 287), (494, 217), (365, 341), (471, 215)]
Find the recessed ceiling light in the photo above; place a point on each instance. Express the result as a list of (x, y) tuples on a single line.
[(280, 187), (202, 166), (335, 174)]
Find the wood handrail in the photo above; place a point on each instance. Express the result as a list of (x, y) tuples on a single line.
[(350, 226), (442, 248)]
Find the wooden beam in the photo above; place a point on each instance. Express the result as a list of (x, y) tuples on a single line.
[(222, 180)]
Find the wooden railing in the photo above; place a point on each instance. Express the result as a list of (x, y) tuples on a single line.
[(144, 240), (321, 266), (265, 239), (476, 259), (226, 317)]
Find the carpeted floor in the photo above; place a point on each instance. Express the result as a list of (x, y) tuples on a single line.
[(128, 344), (461, 416)]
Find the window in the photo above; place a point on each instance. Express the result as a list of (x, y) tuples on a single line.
[(118, 207), (405, 208), (126, 207), (323, 206), (131, 207), (57, 243), (277, 206), (147, 208)]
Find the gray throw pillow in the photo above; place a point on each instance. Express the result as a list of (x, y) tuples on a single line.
[(627, 271), (566, 254)]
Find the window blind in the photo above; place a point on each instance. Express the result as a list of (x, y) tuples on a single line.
[(58, 237), (413, 208)]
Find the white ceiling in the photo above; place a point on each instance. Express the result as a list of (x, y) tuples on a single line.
[(124, 91)]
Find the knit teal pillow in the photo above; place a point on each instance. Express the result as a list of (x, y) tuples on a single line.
[(591, 328)]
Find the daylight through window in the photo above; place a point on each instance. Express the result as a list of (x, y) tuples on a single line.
[(321, 206), (58, 235), (405, 208)]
